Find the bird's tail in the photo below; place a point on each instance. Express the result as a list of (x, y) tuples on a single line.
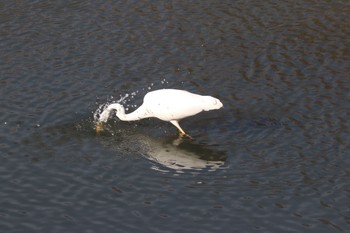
[(211, 103)]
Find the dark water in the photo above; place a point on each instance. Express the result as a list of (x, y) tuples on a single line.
[(274, 159)]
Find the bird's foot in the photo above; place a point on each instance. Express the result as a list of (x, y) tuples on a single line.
[(99, 127), (184, 135)]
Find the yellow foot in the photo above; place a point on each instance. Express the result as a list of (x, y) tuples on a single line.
[(183, 134), (99, 127)]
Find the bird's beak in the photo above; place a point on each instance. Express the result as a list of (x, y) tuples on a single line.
[(99, 127)]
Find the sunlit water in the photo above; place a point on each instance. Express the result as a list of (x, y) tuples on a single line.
[(274, 159)]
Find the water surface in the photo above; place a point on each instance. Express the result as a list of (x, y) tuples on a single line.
[(274, 159)]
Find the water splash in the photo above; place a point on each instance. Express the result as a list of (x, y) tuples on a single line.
[(102, 107), (124, 100)]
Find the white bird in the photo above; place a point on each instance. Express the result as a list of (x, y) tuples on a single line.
[(165, 104)]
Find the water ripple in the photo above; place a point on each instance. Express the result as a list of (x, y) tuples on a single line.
[(274, 159)]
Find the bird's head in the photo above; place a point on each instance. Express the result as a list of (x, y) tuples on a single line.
[(107, 111), (106, 114)]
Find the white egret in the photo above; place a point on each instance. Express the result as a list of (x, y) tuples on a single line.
[(165, 104)]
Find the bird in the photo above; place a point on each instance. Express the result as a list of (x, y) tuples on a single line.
[(170, 105)]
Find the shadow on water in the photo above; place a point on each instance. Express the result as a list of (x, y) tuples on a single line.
[(167, 153)]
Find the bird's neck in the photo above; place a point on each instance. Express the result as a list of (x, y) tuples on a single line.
[(138, 114)]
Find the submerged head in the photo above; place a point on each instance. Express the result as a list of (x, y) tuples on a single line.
[(107, 111), (106, 114)]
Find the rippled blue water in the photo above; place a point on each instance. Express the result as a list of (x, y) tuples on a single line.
[(274, 159)]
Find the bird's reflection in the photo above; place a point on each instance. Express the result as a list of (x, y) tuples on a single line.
[(171, 152), (164, 152), (176, 154)]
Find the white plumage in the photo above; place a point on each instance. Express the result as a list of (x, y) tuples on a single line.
[(166, 104)]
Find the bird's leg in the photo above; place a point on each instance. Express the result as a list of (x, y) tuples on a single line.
[(181, 131)]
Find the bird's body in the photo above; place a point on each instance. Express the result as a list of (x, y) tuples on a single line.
[(166, 104)]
